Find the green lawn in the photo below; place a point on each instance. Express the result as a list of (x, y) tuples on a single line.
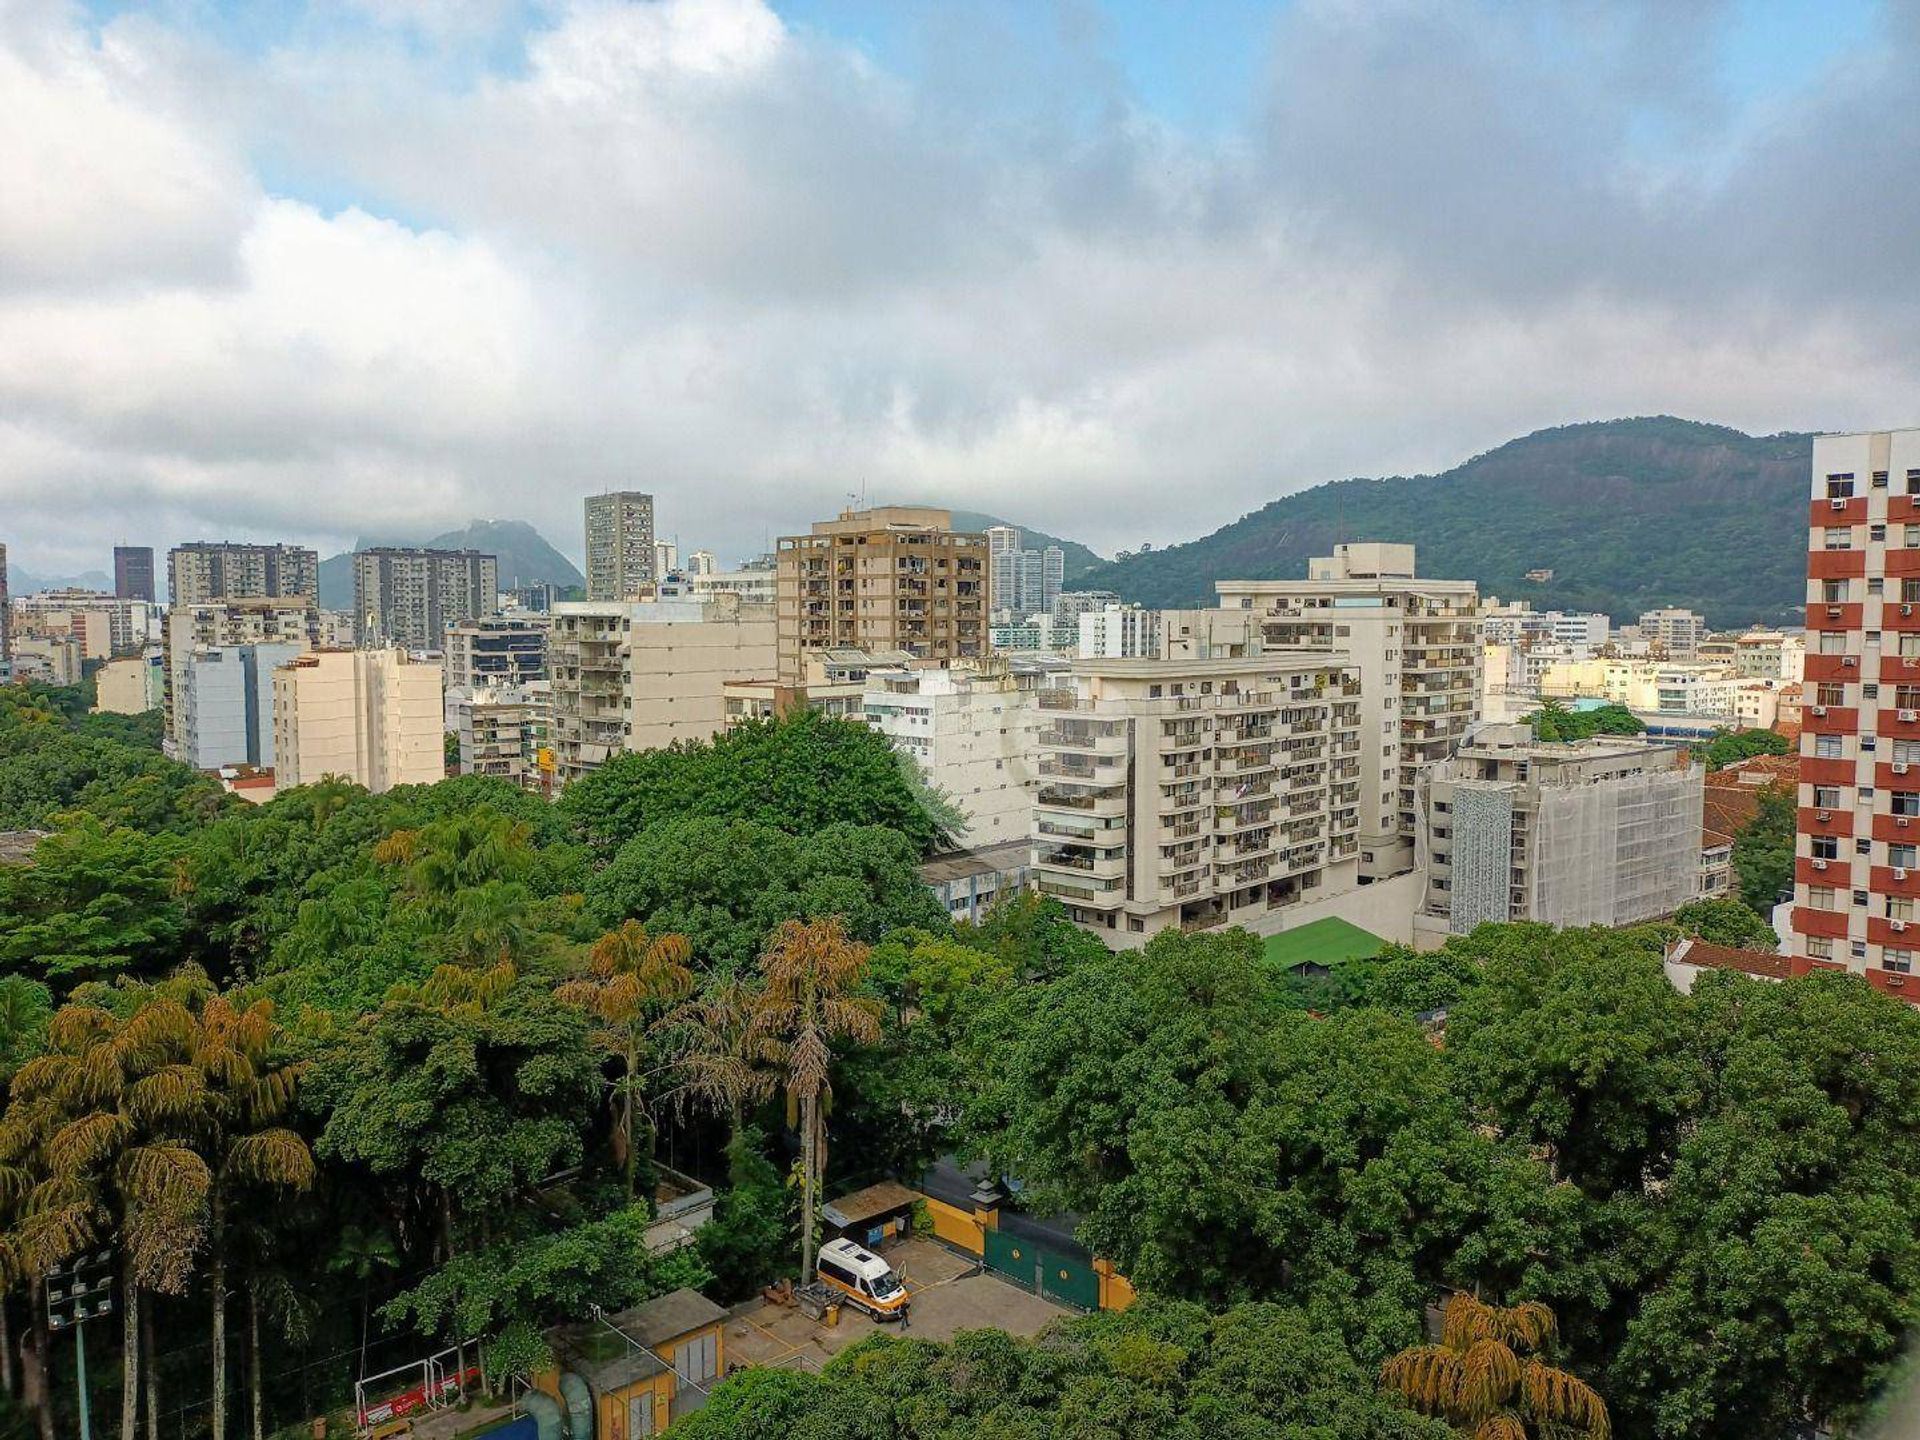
[(1325, 942)]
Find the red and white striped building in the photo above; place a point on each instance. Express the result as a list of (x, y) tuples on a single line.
[(1856, 892)]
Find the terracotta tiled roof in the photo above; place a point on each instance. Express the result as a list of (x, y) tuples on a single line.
[(1761, 964)]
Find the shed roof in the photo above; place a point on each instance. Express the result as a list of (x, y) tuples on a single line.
[(887, 1198), (1322, 942)]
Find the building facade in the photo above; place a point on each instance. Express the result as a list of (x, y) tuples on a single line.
[(1416, 642), (103, 624), (620, 554), (374, 717), (207, 570), (132, 685), (1024, 581), (1197, 792), (263, 620), (226, 705), (973, 734), (496, 651), (502, 731), (640, 675), (1677, 634), (1856, 861), (6, 622), (408, 596), (133, 572), (892, 578), (1604, 831)]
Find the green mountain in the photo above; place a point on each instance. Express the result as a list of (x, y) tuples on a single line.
[(523, 553), (1629, 515), (1079, 558)]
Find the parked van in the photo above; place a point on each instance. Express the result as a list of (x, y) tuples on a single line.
[(859, 1277)]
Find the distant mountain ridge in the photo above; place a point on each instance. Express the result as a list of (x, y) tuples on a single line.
[(524, 556), (1628, 514), (28, 582)]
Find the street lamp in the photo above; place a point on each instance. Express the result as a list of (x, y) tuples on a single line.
[(80, 1292)]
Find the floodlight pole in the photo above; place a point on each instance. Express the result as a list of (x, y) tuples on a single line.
[(80, 1374)]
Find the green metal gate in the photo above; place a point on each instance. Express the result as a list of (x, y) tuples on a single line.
[(1012, 1256), (1069, 1280)]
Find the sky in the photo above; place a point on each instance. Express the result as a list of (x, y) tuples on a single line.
[(1124, 271)]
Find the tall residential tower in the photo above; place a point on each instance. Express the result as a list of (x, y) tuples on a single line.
[(620, 554)]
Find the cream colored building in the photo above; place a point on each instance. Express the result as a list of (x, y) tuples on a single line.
[(639, 675), (131, 686), (974, 734), (893, 578), (502, 730), (1415, 641), (835, 684), (620, 554), (1642, 684), (374, 717), (1198, 792)]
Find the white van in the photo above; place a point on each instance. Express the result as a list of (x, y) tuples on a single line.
[(862, 1278)]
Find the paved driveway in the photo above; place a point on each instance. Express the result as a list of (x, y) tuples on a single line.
[(950, 1294)]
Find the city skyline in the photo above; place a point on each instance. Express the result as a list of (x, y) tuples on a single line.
[(1137, 253)]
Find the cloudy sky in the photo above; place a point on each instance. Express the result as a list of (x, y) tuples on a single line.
[(1121, 270)]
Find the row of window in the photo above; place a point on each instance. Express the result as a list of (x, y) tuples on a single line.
[(1840, 486), (1827, 847), (1820, 947), (1835, 642), (1829, 797), (1825, 897), (1833, 747)]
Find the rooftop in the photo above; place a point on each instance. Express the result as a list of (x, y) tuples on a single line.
[(987, 860), (1322, 942), (885, 1198), (1761, 964)]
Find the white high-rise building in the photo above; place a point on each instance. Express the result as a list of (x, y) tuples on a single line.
[(620, 553), (374, 717), (1415, 641), (1677, 633)]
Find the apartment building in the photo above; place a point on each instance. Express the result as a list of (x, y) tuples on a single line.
[(131, 685), (1604, 831), (620, 554), (836, 685), (973, 734), (1025, 580), (1856, 866), (502, 730), (891, 578), (260, 620), (408, 596), (1770, 655), (207, 570), (104, 624), (1518, 623), (370, 716), (1198, 792), (496, 651), (639, 675), (6, 622), (1417, 643), (755, 582), (1676, 634), (225, 706)]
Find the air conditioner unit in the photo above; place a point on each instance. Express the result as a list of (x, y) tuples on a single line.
[(1900, 767), (1849, 662), (1898, 926), (1834, 611), (1899, 822), (1823, 816), (1819, 864), (1906, 609), (1907, 715), (1838, 503), (1896, 982), (1819, 709), (1899, 872)]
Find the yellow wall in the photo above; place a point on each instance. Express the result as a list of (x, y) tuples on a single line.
[(610, 1409), (956, 1226)]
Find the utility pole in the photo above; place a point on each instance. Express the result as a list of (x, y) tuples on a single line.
[(80, 1292)]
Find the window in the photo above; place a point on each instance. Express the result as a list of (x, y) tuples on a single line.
[(1911, 538), (1879, 479), (1876, 586), (1840, 486), (1877, 533), (1870, 692), (1830, 692), (1909, 643), (1906, 802), (1861, 899), (1909, 587), (1863, 847), (1906, 697), (1826, 797), (1820, 897), (1869, 743), (1827, 747), (1832, 642), (1833, 592), (1839, 537), (1898, 961), (1902, 857), (1826, 847), (1858, 949), (1899, 907), (1913, 482), (1820, 947), (1906, 752)]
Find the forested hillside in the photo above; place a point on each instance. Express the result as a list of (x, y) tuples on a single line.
[(1628, 514)]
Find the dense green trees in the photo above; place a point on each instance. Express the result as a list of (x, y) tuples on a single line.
[(1555, 720), (1726, 922), (1728, 747), (1763, 852)]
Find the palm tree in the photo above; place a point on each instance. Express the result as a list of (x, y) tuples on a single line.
[(247, 1090), (631, 975), (810, 970), (716, 1055), (1486, 1379), (362, 1252)]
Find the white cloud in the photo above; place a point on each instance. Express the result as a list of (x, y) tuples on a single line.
[(684, 246)]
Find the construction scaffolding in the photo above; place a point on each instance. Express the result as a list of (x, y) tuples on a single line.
[(1615, 850)]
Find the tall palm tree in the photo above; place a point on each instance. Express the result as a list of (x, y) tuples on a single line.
[(714, 1053), (810, 971), (1486, 1378), (631, 976), (248, 1089)]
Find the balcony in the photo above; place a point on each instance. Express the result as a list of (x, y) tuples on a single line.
[(1099, 740), (1111, 865), (1094, 897), (1107, 802)]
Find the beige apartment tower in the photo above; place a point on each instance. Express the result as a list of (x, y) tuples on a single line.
[(206, 570), (1194, 793), (620, 553), (370, 716), (260, 620), (896, 577), (1416, 642)]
